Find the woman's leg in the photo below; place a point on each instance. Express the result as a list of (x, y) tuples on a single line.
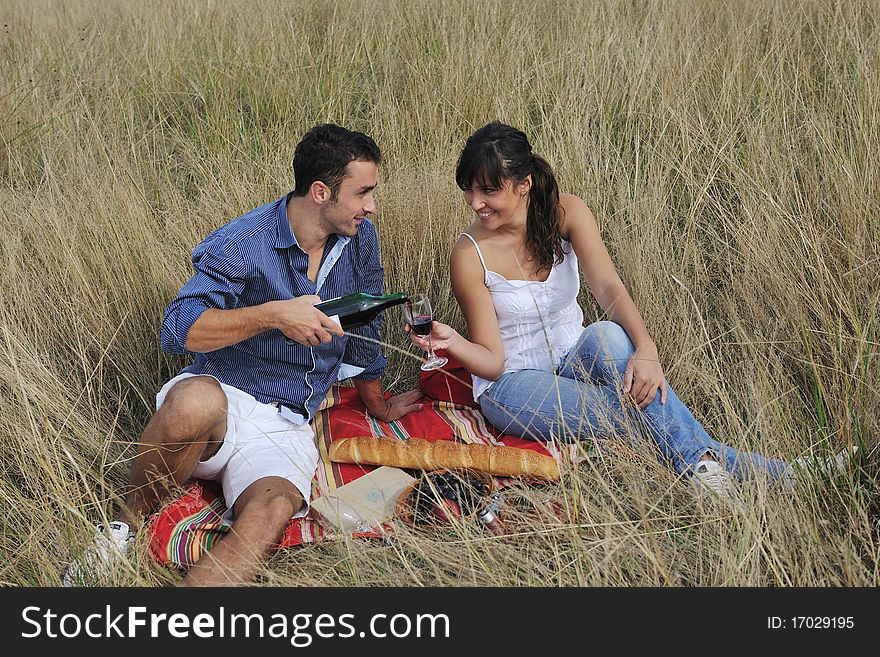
[(541, 405), (601, 356)]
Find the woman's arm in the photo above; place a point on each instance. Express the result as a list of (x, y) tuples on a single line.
[(644, 376), (483, 354)]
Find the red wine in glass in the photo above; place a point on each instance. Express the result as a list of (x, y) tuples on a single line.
[(418, 314), (421, 324)]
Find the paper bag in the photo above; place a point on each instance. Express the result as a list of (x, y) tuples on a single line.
[(364, 503)]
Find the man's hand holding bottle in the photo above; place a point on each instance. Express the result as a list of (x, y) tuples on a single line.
[(300, 321)]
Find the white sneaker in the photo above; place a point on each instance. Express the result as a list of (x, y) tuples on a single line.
[(800, 470), (711, 478), (106, 550)]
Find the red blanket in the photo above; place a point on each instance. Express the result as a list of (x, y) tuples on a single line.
[(184, 528)]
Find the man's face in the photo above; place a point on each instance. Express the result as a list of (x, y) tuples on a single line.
[(354, 199)]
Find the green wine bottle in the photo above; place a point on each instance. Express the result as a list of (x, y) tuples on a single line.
[(359, 309)]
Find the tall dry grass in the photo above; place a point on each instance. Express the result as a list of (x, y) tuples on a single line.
[(728, 150)]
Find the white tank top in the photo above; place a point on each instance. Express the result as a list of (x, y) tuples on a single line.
[(539, 321)]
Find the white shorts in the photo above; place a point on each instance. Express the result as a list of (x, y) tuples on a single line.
[(258, 443)]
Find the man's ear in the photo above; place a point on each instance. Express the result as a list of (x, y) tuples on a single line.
[(319, 192)]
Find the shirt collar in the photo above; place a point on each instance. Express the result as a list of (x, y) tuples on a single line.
[(284, 237)]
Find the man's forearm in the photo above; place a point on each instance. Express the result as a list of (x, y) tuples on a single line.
[(390, 409), (215, 329), (372, 395)]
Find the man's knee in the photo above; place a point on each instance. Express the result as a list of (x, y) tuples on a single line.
[(280, 507), (198, 400), (193, 410), (274, 499)]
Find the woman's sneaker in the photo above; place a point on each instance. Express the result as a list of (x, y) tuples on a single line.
[(101, 556), (806, 467), (711, 478)]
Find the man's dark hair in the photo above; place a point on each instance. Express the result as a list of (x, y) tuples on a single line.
[(324, 152)]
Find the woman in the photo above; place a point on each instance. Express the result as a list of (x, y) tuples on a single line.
[(537, 372)]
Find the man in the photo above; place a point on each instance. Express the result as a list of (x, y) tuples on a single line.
[(265, 358)]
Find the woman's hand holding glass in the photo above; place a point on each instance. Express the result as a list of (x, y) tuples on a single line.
[(441, 336), (419, 319)]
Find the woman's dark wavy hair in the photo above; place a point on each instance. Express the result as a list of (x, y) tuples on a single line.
[(498, 152)]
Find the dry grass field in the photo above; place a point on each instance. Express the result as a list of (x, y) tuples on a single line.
[(730, 152)]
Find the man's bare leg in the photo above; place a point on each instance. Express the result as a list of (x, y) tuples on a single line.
[(190, 426), (262, 512)]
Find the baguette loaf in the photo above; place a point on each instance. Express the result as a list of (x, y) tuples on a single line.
[(420, 454)]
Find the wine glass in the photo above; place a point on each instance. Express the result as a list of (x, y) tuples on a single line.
[(418, 314)]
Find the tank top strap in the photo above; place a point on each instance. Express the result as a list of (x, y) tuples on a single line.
[(479, 253)]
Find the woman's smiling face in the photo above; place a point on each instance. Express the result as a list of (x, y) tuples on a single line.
[(496, 206)]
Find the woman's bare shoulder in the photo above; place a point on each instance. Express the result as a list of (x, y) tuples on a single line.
[(465, 269), (471, 234), (574, 213), (463, 251), (570, 202)]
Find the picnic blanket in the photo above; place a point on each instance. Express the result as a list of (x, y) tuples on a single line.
[(189, 525)]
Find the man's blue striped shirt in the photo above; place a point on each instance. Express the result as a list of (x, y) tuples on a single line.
[(255, 259)]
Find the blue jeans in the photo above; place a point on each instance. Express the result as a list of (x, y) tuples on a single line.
[(583, 399)]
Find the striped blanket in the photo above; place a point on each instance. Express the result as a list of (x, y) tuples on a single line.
[(189, 525)]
